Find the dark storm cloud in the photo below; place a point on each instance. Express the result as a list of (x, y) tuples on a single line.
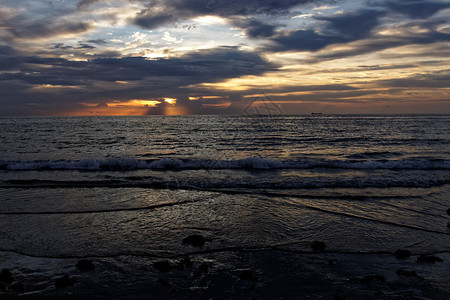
[(149, 19), (7, 50), (98, 42), (352, 26), (415, 8), (382, 43), (359, 32), (254, 28), (355, 26), (60, 46), (8, 63), (337, 29), (106, 54), (85, 46), (161, 12), (201, 66), (301, 40), (38, 19), (44, 28), (163, 75), (239, 7), (82, 4), (79, 50)]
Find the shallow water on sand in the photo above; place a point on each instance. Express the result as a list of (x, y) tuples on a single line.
[(125, 230), (151, 221)]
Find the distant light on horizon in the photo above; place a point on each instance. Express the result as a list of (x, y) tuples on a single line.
[(172, 101)]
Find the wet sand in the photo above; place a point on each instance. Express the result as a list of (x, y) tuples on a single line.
[(276, 273)]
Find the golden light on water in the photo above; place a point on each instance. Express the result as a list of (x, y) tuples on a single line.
[(173, 110)]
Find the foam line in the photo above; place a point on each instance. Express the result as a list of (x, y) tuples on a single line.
[(258, 163)]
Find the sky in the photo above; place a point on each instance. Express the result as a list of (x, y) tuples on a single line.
[(174, 57)]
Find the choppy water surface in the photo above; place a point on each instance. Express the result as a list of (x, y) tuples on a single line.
[(127, 190)]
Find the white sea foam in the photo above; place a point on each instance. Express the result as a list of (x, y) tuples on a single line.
[(126, 163)]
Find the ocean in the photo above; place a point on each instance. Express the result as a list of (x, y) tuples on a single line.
[(124, 192)]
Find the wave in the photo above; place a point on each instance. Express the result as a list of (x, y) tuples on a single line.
[(258, 163)]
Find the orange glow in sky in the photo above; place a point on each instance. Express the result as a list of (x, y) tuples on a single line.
[(170, 100)]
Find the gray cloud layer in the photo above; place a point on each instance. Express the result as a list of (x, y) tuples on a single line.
[(361, 25), (160, 12), (22, 70), (194, 67)]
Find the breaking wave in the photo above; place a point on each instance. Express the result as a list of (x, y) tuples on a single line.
[(258, 163)]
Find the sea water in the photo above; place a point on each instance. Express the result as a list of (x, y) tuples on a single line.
[(125, 191)]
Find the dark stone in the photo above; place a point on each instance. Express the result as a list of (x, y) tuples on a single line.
[(248, 275), (183, 264), (179, 266), (448, 211), (64, 282), (6, 276), (85, 265), (339, 297), (164, 282), (194, 240), (370, 278), (318, 246), (187, 262), (402, 254), (17, 287), (197, 273), (331, 262), (163, 266), (203, 267), (379, 294), (406, 273), (2, 287), (448, 224), (428, 258)]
